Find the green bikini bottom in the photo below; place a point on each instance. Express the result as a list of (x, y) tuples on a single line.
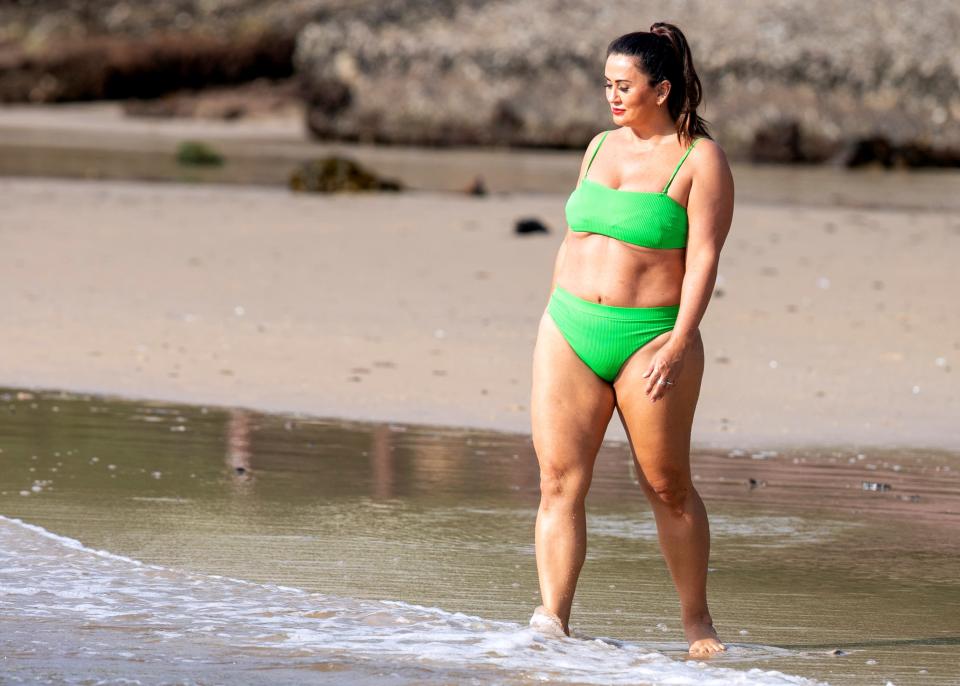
[(605, 336)]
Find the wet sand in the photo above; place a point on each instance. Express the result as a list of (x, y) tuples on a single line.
[(830, 326), (200, 542)]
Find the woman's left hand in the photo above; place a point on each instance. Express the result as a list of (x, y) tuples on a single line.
[(663, 371)]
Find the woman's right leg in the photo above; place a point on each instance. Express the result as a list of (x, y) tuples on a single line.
[(570, 408)]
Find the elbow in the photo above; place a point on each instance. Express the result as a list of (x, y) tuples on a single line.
[(703, 261)]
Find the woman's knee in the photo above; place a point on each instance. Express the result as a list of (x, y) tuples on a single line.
[(560, 484), (669, 489)]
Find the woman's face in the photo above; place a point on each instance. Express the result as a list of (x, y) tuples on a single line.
[(630, 97)]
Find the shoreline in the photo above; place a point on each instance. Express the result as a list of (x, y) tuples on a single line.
[(615, 436)]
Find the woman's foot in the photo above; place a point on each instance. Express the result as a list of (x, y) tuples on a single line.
[(547, 623), (702, 636)]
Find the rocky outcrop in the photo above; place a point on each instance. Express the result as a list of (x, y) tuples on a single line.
[(530, 72), (112, 68), (861, 81), (39, 25), (62, 50)]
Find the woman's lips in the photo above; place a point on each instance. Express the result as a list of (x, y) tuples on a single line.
[(617, 110)]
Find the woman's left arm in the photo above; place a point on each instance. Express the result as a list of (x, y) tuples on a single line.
[(709, 215)]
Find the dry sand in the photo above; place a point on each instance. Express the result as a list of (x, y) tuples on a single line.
[(832, 326)]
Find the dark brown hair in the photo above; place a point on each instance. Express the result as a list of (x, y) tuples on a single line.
[(663, 54)]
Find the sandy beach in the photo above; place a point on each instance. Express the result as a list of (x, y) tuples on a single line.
[(830, 325)]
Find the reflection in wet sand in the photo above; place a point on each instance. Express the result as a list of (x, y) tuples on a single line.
[(381, 463), (239, 453)]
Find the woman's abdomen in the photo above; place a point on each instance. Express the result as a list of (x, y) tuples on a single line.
[(605, 270)]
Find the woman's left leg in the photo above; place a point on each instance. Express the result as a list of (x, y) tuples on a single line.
[(659, 435)]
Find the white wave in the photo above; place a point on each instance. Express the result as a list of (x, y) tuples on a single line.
[(50, 581)]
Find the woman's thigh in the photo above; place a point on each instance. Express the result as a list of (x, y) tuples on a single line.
[(659, 432), (570, 406)]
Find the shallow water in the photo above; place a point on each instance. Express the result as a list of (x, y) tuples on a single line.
[(158, 542)]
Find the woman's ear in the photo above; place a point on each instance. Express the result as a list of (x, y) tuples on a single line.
[(663, 92)]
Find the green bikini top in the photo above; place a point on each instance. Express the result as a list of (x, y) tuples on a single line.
[(652, 220)]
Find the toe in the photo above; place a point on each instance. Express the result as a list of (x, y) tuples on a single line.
[(705, 647)]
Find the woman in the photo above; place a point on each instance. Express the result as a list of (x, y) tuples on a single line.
[(631, 283)]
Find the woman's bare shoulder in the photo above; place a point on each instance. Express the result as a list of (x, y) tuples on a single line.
[(588, 152), (711, 171), (710, 151), (595, 141)]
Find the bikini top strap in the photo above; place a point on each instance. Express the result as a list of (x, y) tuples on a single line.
[(680, 163), (596, 150)]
